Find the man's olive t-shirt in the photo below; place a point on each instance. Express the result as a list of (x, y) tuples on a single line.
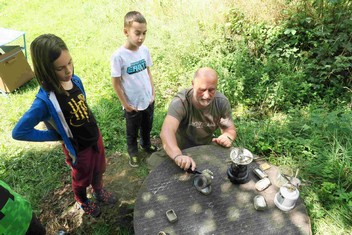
[(197, 126)]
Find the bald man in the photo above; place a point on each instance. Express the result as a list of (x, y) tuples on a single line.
[(193, 117)]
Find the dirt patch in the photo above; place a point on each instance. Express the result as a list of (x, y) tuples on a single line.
[(60, 212)]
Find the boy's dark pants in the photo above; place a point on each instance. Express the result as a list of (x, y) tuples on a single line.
[(88, 170), (142, 121)]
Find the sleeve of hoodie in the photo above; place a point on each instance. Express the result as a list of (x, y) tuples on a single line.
[(25, 128)]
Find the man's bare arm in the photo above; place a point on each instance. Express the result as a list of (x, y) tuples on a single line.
[(168, 137), (227, 134)]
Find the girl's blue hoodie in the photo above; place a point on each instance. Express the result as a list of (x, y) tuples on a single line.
[(43, 109)]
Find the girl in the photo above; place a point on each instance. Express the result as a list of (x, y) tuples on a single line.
[(61, 104)]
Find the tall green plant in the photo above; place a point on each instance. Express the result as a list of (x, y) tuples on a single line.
[(254, 74), (319, 32)]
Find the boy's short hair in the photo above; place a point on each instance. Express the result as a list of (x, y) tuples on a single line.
[(134, 16)]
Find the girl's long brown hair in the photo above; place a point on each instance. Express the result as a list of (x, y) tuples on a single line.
[(45, 49)]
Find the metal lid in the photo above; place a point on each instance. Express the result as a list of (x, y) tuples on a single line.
[(241, 156)]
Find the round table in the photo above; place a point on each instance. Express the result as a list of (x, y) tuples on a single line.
[(228, 209)]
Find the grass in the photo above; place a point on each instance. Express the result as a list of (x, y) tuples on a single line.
[(181, 36)]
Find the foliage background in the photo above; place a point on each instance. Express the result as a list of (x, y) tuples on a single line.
[(284, 65)]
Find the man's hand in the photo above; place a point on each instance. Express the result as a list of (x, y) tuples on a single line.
[(223, 140), (185, 162)]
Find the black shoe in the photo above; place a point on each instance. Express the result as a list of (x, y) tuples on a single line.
[(151, 149), (134, 161)]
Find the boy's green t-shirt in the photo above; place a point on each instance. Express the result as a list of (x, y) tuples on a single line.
[(15, 212)]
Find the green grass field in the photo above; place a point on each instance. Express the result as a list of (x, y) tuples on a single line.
[(182, 35)]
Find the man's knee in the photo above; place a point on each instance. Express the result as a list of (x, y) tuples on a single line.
[(156, 159)]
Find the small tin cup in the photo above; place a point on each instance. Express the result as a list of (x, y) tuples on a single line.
[(171, 216), (259, 203)]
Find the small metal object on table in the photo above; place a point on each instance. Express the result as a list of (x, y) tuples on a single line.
[(228, 209)]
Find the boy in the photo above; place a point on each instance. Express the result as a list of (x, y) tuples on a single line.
[(133, 84)]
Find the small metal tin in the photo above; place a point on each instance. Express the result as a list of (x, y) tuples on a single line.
[(171, 216), (262, 184), (264, 166), (261, 174), (259, 203)]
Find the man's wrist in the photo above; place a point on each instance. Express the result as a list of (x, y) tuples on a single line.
[(175, 157)]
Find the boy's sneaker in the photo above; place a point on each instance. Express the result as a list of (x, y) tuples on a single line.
[(90, 208), (133, 161), (151, 149), (105, 197)]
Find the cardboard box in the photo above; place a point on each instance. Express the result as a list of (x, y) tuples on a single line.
[(14, 68)]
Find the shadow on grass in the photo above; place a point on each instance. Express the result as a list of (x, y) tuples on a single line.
[(43, 178), (60, 212)]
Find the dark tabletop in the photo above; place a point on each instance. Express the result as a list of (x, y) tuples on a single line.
[(228, 209)]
